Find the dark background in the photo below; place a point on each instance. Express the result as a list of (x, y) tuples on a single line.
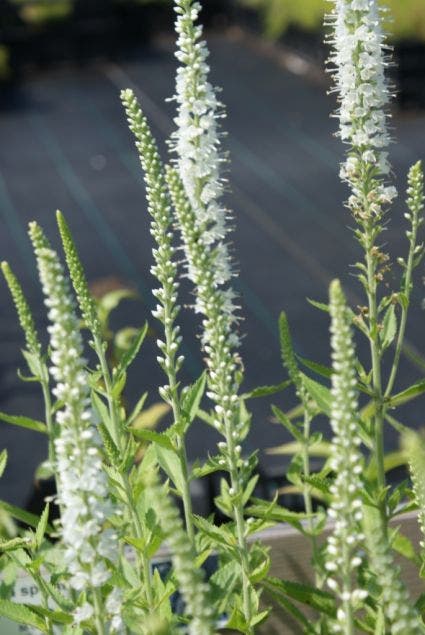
[(65, 144)]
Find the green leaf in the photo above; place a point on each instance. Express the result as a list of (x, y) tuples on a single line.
[(320, 369), (315, 598), (319, 305), (265, 391), (154, 437), (113, 299), (22, 515), (58, 617), (282, 418), (192, 398), (237, 621), (320, 394), (291, 609), (129, 356), (103, 413), (407, 395), (42, 526), (211, 466), (249, 489), (287, 351), (219, 535), (389, 327), (169, 461), (3, 462), (222, 583), (295, 469), (322, 449), (137, 409), (109, 446), (274, 512), (14, 543), (119, 382), (404, 546), (24, 422), (22, 614)]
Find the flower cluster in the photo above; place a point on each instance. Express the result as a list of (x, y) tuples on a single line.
[(196, 139), (83, 492), (189, 576), (201, 219), (358, 63), (398, 608), (414, 445), (344, 544), (218, 319), (165, 268)]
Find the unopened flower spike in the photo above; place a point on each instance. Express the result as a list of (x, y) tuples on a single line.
[(345, 543), (358, 62), (399, 611), (85, 299), (165, 267), (23, 310), (83, 492), (414, 446), (190, 577), (415, 203)]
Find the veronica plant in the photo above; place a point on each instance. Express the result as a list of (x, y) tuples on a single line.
[(83, 492), (115, 510), (346, 540)]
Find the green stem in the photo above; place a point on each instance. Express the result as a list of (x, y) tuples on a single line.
[(143, 561), (347, 589), (407, 288), (240, 526), (376, 354), (308, 504), (175, 404), (97, 602)]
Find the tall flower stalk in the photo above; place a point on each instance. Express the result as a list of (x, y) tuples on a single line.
[(190, 577), (119, 435), (196, 187), (399, 615), (358, 63), (83, 492), (33, 354), (165, 271), (345, 543)]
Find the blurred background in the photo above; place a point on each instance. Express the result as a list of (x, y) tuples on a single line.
[(65, 144)]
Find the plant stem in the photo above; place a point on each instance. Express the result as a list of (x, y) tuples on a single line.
[(376, 355), (48, 416), (407, 289), (240, 525), (100, 628), (181, 445), (144, 565), (308, 505)]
